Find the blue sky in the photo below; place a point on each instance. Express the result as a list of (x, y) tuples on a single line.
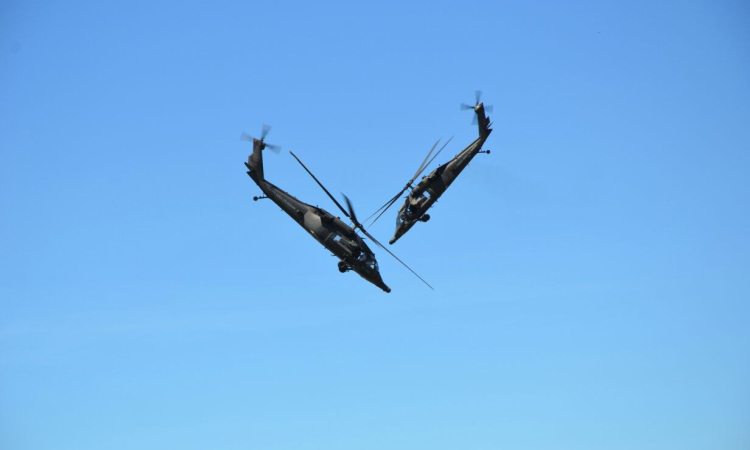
[(591, 273)]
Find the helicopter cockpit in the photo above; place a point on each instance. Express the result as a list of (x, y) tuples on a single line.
[(407, 214), (368, 260)]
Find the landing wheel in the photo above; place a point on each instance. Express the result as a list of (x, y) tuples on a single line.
[(342, 266), (425, 218)]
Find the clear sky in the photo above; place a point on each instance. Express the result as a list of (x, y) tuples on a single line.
[(591, 274)]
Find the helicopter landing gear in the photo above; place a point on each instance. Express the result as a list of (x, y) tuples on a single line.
[(342, 267), (255, 199), (484, 151), (425, 218)]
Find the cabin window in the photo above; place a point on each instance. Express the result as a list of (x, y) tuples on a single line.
[(336, 237)]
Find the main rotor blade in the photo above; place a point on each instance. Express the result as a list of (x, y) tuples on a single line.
[(266, 129), (351, 212), (388, 205), (390, 202), (423, 165), (396, 257), (441, 149), (359, 225), (395, 197), (478, 95), (322, 187), (246, 137), (381, 208), (465, 106), (489, 108)]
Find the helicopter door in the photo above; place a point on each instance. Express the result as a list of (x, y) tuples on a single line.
[(335, 237)]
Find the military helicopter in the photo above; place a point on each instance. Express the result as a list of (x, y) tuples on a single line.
[(335, 235), (432, 186)]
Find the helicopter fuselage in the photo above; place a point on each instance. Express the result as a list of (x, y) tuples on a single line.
[(335, 235), (432, 187)]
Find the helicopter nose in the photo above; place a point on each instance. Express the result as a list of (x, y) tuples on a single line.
[(387, 290)]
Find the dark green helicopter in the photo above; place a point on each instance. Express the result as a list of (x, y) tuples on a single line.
[(432, 186), (335, 235)]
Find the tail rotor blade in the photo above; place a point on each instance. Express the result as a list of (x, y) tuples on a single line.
[(464, 106), (266, 130)]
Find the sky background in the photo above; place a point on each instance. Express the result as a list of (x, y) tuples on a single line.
[(591, 274)]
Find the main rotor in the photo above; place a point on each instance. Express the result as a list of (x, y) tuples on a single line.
[(409, 184), (356, 223)]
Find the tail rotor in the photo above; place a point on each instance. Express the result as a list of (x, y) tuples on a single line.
[(477, 104), (264, 132)]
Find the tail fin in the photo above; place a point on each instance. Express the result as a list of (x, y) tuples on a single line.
[(255, 160), (482, 121)]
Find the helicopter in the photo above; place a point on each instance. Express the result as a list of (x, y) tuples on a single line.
[(431, 187), (335, 235)]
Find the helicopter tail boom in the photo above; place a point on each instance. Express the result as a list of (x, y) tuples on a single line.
[(255, 161), (483, 122)]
